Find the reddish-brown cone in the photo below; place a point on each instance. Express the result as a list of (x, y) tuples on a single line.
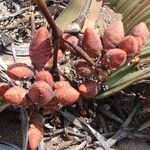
[(140, 43), (70, 38), (40, 48), (130, 45), (83, 68), (88, 89), (19, 71), (91, 43), (66, 95), (114, 59), (113, 35), (40, 93), (3, 88), (141, 30), (15, 95), (61, 84), (45, 76), (36, 131)]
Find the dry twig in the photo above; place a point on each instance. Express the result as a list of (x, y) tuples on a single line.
[(123, 132)]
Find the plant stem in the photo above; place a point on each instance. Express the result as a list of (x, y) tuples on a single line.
[(64, 76), (81, 52), (55, 60), (84, 55), (41, 4), (56, 34)]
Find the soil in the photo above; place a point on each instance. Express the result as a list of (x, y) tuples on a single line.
[(10, 127), (132, 145), (10, 131)]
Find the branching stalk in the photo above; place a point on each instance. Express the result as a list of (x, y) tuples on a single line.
[(41, 4), (56, 33)]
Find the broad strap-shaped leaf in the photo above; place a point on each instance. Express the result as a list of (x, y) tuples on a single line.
[(133, 12), (92, 15), (72, 12)]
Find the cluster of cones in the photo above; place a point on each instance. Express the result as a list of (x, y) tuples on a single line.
[(113, 50)]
